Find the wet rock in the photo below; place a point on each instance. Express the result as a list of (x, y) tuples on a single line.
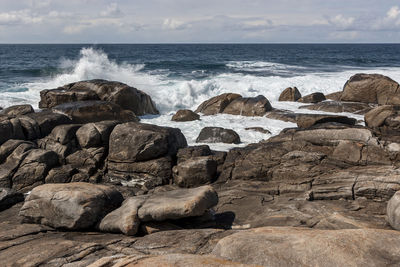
[(95, 134), (218, 135), (216, 104), (312, 98), (195, 172), (290, 94), (128, 98), (277, 246), (9, 197), (17, 110), (185, 115), (393, 211), (371, 88), (94, 111), (308, 120), (258, 129), (338, 107), (70, 206), (249, 106)]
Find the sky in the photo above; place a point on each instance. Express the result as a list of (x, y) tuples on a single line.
[(194, 21)]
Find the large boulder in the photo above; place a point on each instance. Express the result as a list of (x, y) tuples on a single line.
[(185, 115), (69, 206), (377, 116), (290, 94), (216, 104), (94, 111), (195, 171), (308, 120), (393, 211), (371, 88), (17, 110), (313, 98), (127, 97), (218, 135), (284, 246), (95, 134), (249, 106), (9, 197)]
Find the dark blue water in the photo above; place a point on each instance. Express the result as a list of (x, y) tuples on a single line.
[(28, 68)]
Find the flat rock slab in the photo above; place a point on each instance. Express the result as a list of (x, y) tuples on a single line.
[(283, 246), (69, 206), (338, 107)]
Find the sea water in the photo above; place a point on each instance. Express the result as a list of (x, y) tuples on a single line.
[(179, 76)]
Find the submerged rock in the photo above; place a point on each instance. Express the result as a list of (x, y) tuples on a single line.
[(185, 115)]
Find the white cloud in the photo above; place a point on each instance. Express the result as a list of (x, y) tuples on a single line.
[(112, 10), (174, 24), (19, 17), (341, 21), (393, 13)]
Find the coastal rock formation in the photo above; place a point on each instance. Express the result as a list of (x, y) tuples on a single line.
[(9, 197), (338, 107), (216, 104), (185, 115), (384, 120), (308, 120), (218, 135), (312, 98), (70, 206), (393, 211), (195, 171), (290, 94), (249, 106), (334, 96), (371, 88), (126, 97), (17, 110)]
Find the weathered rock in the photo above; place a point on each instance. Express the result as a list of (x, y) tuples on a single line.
[(249, 106), (218, 135), (338, 107), (124, 219), (258, 129), (371, 88), (127, 97), (312, 98), (282, 246), (334, 96), (185, 115), (18, 110), (190, 152), (95, 134), (87, 161), (290, 94), (176, 204), (195, 172), (308, 120), (216, 104), (377, 116), (10, 129), (282, 115), (8, 147), (9, 197), (64, 134), (94, 111), (61, 174), (46, 121), (70, 206), (393, 211)]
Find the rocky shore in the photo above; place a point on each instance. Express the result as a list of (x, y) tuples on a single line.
[(84, 183)]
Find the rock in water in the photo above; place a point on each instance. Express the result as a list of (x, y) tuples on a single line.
[(69, 206), (313, 98), (216, 104), (290, 94), (393, 211), (185, 115), (218, 135), (371, 88), (249, 106)]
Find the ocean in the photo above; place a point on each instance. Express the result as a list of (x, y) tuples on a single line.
[(180, 76)]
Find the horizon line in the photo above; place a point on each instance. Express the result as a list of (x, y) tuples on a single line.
[(203, 43)]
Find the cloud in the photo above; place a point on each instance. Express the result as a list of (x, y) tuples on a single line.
[(341, 21), (393, 13), (20, 17), (112, 10), (174, 24)]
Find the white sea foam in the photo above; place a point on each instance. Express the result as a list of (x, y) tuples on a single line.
[(172, 94)]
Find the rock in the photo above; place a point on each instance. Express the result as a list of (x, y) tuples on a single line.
[(258, 129), (124, 219), (133, 142), (312, 98), (282, 115), (61, 174), (308, 120), (216, 104), (377, 116), (338, 107), (185, 115), (87, 161), (218, 135), (290, 94), (10, 129), (177, 204), (393, 211), (94, 111), (46, 121), (334, 96), (95, 134), (17, 110), (283, 246), (9, 197), (71, 206), (249, 106), (371, 88), (126, 97), (189, 152), (8, 147), (64, 134), (195, 172)]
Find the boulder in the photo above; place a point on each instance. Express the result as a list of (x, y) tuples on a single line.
[(185, 115), (189, 152), (377, 116), (177, 204), (126, 97), (312, 98), (216, 104), (258, 129), (9, 197), (308, 120), (289, 246), (393, 211), (61, 174), (371, 88), (334, 96), (195, 171), (95, 134), (17, 110), (71, 206), (249, 106), (218, 135), (94, 111), (45, 121), (290, 94), (10, 129), (338, 107)]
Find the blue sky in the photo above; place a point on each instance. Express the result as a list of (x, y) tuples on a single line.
[(175, 21)]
